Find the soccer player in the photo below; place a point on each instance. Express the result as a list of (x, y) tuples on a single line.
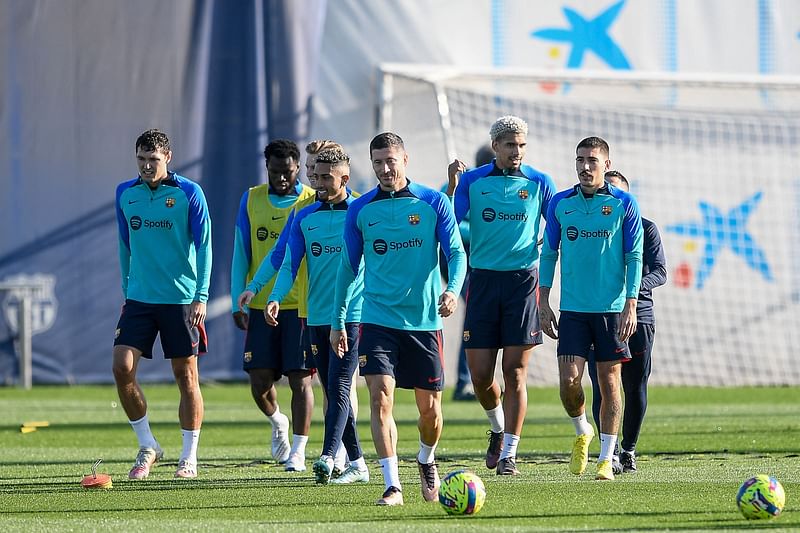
[(506, 200), (270, 351), (316, 236), (165, 257), (598, 230), (312, 149), (636, 371), (397, 229)]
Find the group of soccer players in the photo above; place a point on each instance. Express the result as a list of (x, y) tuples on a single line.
[(325, 279)]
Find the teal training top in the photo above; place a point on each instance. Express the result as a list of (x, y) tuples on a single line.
[(317, 234), (505, 209), (600, 239), (164, 241), (398, 234)]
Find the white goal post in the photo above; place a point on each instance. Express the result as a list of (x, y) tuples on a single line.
[(713, 161)]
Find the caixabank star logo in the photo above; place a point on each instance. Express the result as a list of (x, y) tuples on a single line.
[(717, 231)]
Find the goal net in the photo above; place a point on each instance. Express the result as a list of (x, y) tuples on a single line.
[(713, 161)]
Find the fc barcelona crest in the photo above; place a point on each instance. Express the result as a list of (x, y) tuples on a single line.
[(466, 335), (170, 202), (523, 194), (413, 219), (248, 356), (362, 361), (314, 349), (606, 210)]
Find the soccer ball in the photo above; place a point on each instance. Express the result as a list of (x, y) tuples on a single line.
[(760, 497), (462, 492)]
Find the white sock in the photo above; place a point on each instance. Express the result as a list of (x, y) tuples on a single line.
[(510, 443), (341, 455), (274, 417), (607, 445), (425, 455), (299, 444), (391, 474), (582, 426), (143, 434), (190, 439), (497, 418), (359, 463)]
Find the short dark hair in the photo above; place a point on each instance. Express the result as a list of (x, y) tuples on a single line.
[(386, 139), (153, 140), (484, 155), (617, 174), (333, 157), (282, 149), (594, 142)]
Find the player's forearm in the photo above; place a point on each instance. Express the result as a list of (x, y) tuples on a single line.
[(456, 270), (544, 295), (345, 279), (204, 260)]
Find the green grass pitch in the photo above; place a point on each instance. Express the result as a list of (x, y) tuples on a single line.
[(697, 446)]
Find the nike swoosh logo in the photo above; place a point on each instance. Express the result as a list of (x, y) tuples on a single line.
[(132, 202), (312, 228), (568, 212), (276, 218), (485, 192), (434, 380), (370, 224), (195, 344), (619, 350)]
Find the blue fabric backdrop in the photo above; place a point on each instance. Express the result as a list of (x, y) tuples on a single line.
[(80, 80)]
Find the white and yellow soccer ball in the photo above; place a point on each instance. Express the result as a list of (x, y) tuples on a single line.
[(761, 497), (462, 493)]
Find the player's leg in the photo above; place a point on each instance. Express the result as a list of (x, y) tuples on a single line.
[(574, 340), (182, 345), (262, 363), (302, 409), (136, 332), (384, 435), (515, 402), (520, 331), (298, 366), (609, 352), (635, 375), (482, 339), (378, 349), (420, 367), (190, 412), (591, 365), (608, 377), (344, 430)]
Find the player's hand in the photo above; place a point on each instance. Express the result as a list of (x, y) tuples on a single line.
[(627, 320), (454, 169), (241, 320), (548, 320), (244, 300), (338, 341), (271, 313), (197, 314), (447, 304)]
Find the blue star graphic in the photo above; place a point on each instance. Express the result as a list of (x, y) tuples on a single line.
[(587, 35), (725, 230)]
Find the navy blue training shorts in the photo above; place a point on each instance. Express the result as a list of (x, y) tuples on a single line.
[(579, 332), (415, 359), (139, 324), (277, 348), (502, 309)]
